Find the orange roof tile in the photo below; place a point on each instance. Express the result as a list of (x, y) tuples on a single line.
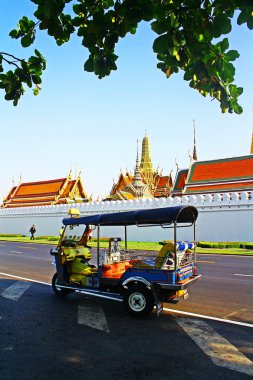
[(221, 170), (43, 193), (38, 188), (163, 181), (180, 182)]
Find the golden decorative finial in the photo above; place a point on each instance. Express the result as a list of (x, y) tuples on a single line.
[(76, 170), (194, 155), (176, 163)]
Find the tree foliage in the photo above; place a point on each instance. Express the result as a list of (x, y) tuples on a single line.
[(190, 37)]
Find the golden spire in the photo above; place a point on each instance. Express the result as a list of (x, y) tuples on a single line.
[(146, 153), (194, 154), (146, 163), (251, 148)]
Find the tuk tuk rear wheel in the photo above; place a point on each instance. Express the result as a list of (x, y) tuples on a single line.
[(138, 300), (59, 291)]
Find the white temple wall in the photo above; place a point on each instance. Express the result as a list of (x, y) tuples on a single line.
[(222, 217)]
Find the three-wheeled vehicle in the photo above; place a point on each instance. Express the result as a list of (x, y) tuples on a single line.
[(140, 279)]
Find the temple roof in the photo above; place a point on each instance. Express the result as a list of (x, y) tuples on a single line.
[(56, 191), (179, 183), (229, 174)]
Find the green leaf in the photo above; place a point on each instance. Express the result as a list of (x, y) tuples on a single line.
[(36, 79), (89, 39), (36, 91), (13, 33), (26, 40), (250, 23), (243, 17), (235, 91), (88, 66), (224, 45), (161, 44), (232, 55), (160, 26)]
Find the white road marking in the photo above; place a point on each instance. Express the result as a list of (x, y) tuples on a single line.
[(15, 291), (244, 275), (165, 308), (220, 350), (8, 348), (24, 278), (16, 251), (225, 279), (92, 315), (208, 317)]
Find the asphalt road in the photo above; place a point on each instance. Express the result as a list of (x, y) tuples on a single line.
[(44, 337)]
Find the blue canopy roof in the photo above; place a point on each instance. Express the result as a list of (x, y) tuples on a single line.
[(166, 215)]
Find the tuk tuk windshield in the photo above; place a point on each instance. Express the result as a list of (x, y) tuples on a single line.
[(73, 233)]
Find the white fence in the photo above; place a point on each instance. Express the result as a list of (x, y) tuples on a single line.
[(222, 217)]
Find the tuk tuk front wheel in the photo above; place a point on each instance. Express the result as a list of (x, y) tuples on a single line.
[(59, 291), (138, 300)]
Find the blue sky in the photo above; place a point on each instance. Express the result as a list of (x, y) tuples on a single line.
[(81, 122)]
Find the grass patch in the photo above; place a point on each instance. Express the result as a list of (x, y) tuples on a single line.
[(224, 248)]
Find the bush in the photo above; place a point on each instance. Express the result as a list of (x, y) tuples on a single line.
[(165, 242), (53, 238), (224, 244), (50, 238), (104, 239), (11, 235), (246, 245)]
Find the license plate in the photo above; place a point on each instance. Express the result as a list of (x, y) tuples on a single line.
[(185, 295)]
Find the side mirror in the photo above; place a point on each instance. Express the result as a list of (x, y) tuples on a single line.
[(54, 251)]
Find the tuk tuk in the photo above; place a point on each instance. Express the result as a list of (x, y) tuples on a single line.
[(141, 280)]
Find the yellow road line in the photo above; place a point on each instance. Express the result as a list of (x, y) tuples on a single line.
[(206, 261)]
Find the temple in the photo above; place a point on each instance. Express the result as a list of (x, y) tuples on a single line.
[(52, 192), (234, 174), (146, 182)]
